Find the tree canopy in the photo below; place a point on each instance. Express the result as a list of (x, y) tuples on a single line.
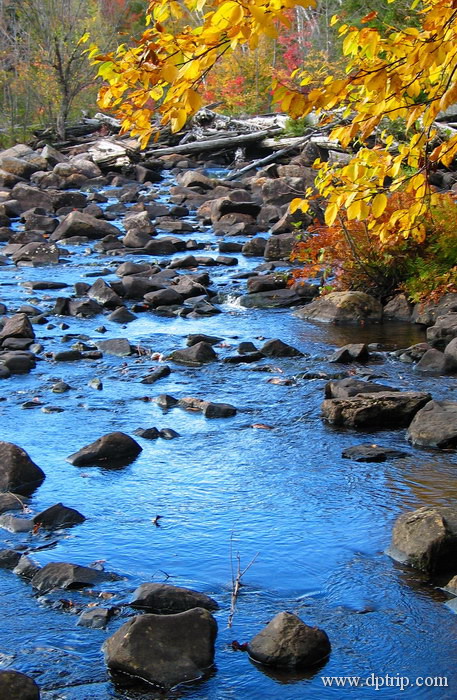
[(390, 73)]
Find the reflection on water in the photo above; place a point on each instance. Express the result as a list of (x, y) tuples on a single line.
[(320, 523)]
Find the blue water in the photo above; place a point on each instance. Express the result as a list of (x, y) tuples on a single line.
[(317, 524)]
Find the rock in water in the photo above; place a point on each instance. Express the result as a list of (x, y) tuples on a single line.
[(65, 575), (435, 425), (111, 450), (287, 642), (18, 686), (164, 599), (164, 649), (426, 539), (17, 471)]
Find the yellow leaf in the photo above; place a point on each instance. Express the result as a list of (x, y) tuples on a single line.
[(178, 121), (379, 204), (169, 72), (298, 203), (331, 213)]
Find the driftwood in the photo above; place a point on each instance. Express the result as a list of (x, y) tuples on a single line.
[(227, 142), (268, 159)]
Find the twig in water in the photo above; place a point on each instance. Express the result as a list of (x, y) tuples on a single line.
[(236, 580)]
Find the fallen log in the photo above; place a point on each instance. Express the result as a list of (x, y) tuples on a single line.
[(268, 159), (226, 142)]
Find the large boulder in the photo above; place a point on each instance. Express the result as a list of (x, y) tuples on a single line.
[(78, 223), (380, 410), (345, 388), (287, 642), (444, 330), (163, 599), (17, 326), (111, 450), (18, 686), (37, 253), (277, 298), (427, 539), (164, 650), (342, 307), (17, 471), (65, 575), (280, 247), (435, 425)]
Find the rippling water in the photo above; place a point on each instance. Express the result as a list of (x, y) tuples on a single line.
[(317, 524)]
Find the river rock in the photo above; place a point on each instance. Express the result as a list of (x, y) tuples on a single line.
[(255, 247), (398, 309), (444, 330), (35, 254), (104, 294), (371, 453), (163, 297), (26, 567), (64, 575), (157, 374), (111, 450), (95, 618), (9, 558), (353, 352), (277, 348), (29, 196), (278, 298), (287, 642), (13, 524), (147, 433), (78, 223), (18, 326), (432, 361), (195, 338), (378, 410), (280, 247), (427, 539), (122, 315), (18, 686), (17, 471), (11, 501), (265, 283), (164, 650), (119, 347), (450, 354), (19, 362), (342, 307), (345, 388), (195, 355), (164, 599), (57, 516), (218, 410), (435, 425)]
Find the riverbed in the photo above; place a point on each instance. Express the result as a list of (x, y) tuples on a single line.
[(317, 525)]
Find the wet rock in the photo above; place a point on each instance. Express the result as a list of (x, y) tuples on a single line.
[(183, 263), (165, 599), (353, 352), (119, 347), (219, 410), (432, 361), (57, 516), (163, 297), (147, 433), (32, 197), (122, 315), (104, 295), (157, 374), (450, 354), (64, 575), (265, 283), (18, 686), (95, 618), (166, 401), (287, 642), (111, 450), (398, 309), (195, 338), (342, 307), (164, 649), (427, 539), (60, 387), (169, 434), (13, 524), (435, 425), (371, 453), (136, 238), (195, 355), (19, 362), (9, 558), (428, 314), (80, 224), (379, 410), (255, 247), (161, 246), (26, 567), (194, 178), (67, 356), (11, 501), (17, 471), (188, 287), (277, 348), (17, 326), (84, 308), (269, 300), (230, 247), (35, 254)]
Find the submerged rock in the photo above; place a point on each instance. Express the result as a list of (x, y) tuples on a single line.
[(111, 450), (371, 453), (427, 539), (287, 642), (164, 649)]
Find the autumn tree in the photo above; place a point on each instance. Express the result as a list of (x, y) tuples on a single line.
[(390, 73)]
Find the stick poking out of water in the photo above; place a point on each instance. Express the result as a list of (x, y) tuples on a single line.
[(236, 580)]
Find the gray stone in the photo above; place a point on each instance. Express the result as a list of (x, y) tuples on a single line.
[(353, 352), (444, 330), (80, 224), (119, 347), (17, 471), (195, 355), (379, 410), (64, 575), (287, 642), (368, 452), (165, 599), (435, 425), (17, 326), (58, 516), (450, 355), (398, 309), (278, 298), (280, 247), (95, 618), (277, 348), (104, 295), (18, 686), (9, 558), (432, 361), (11, 501), (111, 450), (342, 307), (164, 650)]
